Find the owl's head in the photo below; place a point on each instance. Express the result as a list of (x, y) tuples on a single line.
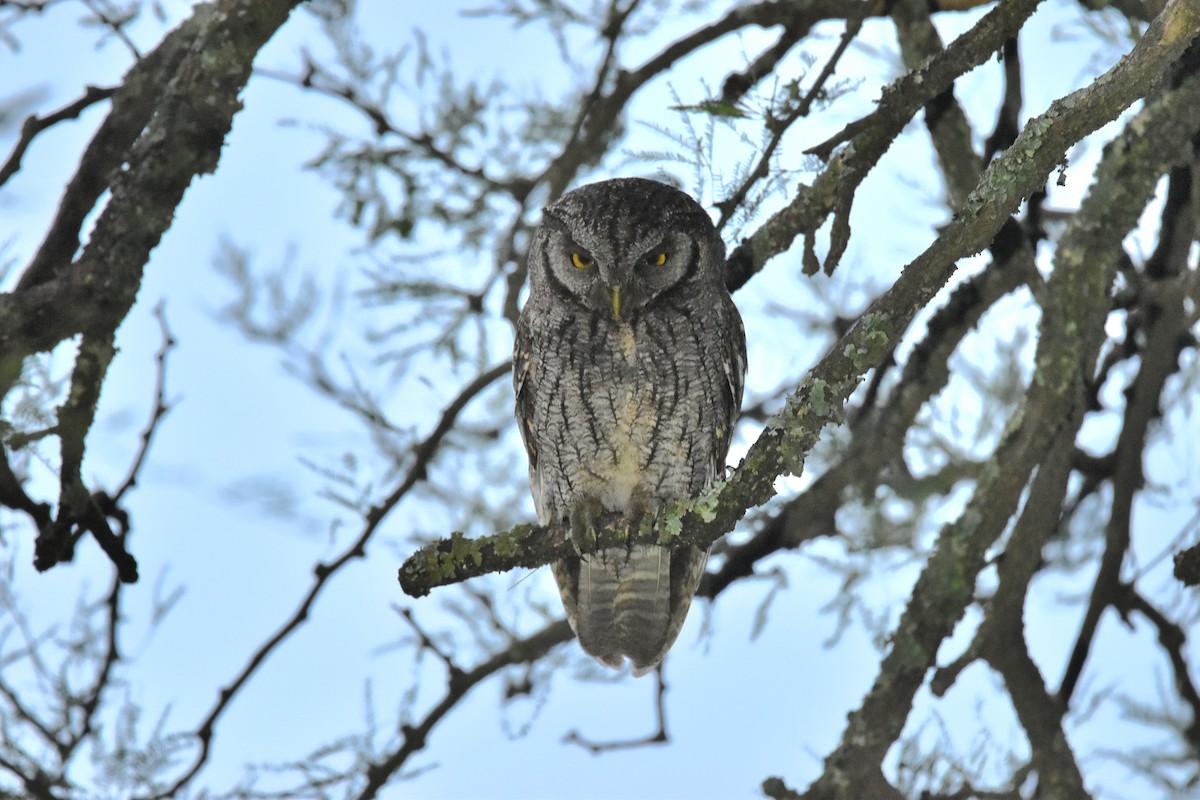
[(617, 246)]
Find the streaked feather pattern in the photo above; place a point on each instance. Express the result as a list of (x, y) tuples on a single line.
[(624, 410)]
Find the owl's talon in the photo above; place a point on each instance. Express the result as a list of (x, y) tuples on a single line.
[(585, 524), (575, 544)]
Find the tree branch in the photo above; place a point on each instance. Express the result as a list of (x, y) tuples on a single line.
[(133, 103), (160, 409), (948, 127), (1173, 639), (879, 432), (1071, 334), (833, 190), (522, 651), (78, 510), (777, 126), (33, 125), (658, 736), (1001, 637), (182, 140), (1167, 328)]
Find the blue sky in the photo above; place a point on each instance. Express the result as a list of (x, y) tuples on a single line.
[(740, 707)]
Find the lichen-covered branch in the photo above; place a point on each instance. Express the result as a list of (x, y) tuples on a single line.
[(879, 432), (1000, 639), (1167, 324), (833, 190), (182, 139), (78, 511), (167, 125), (1071, 334)]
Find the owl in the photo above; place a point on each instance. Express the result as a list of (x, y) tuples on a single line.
[(628, 370)]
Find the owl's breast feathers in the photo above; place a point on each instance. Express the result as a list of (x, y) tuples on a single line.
[(611, 409), (622, 417)]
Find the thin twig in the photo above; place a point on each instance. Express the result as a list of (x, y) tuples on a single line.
[(415, 737), (779, 126), (657, 736), (160, 410), (34, 125)]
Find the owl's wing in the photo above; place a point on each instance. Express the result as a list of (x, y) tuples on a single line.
[(523, 387), (733, 363)]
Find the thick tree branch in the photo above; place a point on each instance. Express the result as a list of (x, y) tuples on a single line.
[(1167, 329), (133, 103), (878, 433), (181, 141), (833, 190), (168, 127), (1001, 637), (948, 127), (1071, 334), (78, 511)]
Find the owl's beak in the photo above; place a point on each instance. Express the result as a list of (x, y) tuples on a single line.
[(616, 301)]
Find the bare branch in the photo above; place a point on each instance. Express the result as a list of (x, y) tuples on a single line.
[(779, 126), (1173, 640), (522, 651), (658, 736), (34, 125), (160, 409)]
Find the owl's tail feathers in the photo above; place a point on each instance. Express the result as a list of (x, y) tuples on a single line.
[(634, 606)]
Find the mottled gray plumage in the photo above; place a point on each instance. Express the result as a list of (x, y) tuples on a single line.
[(628, 372)]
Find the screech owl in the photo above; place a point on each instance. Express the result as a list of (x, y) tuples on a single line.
[(628, 369)]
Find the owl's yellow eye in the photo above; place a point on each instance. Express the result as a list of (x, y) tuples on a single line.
[(658, 259), (581, 260)]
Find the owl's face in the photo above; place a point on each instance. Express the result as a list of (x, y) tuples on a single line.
[(617, 246)]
